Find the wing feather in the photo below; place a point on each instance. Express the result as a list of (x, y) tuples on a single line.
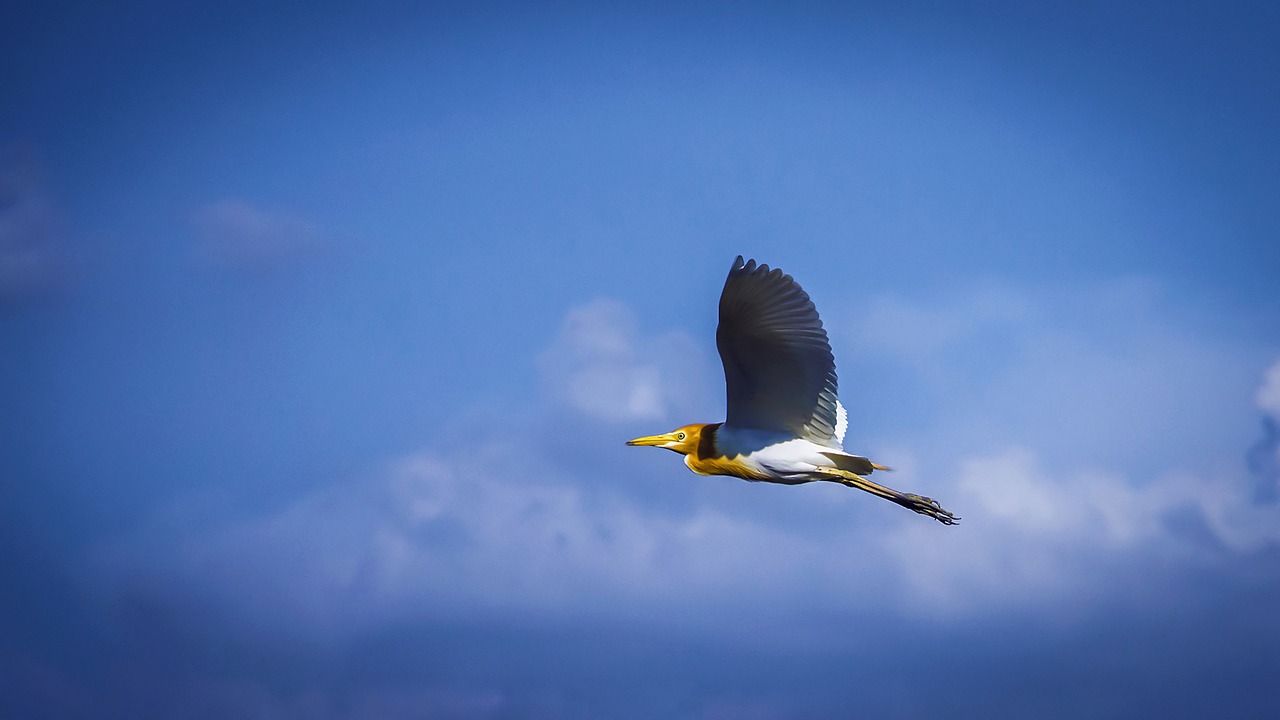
[(778, 368)]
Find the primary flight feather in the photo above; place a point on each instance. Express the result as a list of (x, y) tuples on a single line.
[(783, 422)]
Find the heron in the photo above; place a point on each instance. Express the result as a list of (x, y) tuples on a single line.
[(783, 420)]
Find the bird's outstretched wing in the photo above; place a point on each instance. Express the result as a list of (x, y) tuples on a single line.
[(778, 367)]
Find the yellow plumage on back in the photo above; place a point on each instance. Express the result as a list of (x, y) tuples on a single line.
[(706, 459)]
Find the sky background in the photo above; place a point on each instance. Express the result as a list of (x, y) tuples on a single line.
[(322, 328)]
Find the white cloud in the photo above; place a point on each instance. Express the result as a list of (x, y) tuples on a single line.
[(503, 527), (1126, 423), (444, 535), (1268, 395), (440, 535), (1109, 374), (599, 366), (1033, 538), (236, 234)]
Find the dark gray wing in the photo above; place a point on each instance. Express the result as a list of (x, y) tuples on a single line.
[(778, 367)]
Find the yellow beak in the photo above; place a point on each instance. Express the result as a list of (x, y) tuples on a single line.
[(652, 440)]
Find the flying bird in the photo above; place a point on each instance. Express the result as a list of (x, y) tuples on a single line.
[(783, 421)]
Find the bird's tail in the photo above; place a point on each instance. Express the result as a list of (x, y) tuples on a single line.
[(855, 464)]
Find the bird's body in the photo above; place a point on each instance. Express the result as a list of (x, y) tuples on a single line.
[(764, 455), (784, 422)]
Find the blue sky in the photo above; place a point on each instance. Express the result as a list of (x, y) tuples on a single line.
[(321, 331)]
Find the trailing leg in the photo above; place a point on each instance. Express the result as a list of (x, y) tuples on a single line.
[(913, 502)]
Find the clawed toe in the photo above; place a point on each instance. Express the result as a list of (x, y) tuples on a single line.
[(930, 507)]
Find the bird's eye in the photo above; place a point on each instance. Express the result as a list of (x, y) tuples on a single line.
[(679, 436)]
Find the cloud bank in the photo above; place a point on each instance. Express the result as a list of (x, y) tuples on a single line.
[(450, 532)]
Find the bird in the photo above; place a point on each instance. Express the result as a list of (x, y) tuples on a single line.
[(784, 422)]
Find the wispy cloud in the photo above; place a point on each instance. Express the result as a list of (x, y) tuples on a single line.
[(229, 698), (239, 235), (1264, 455), (1105, 374), (31, 262), (599, 367), (1268, 395), (919, 333)]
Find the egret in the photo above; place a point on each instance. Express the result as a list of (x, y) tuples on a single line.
[(783, 421)]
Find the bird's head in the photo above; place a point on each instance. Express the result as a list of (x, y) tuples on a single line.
[(682, 440)]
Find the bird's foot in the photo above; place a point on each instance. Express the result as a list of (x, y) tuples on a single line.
[(930, 507)]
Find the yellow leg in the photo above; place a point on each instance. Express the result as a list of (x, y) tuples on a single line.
[(922, 505)]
